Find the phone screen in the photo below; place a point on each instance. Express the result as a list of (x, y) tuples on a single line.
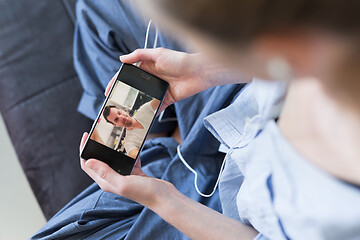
[(125, 119)]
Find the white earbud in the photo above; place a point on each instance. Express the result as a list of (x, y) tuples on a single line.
[(279, 69)]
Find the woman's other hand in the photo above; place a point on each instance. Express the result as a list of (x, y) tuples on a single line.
[(137, 186)]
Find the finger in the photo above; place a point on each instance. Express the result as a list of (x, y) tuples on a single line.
[(82, 163), (105, 176), (83, 140), (138, 163), (140, 55), (161, 109), (137, 169), (165, 103), (101, 182), (108, 87)]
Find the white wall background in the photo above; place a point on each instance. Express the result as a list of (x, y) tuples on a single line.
[(120, 93), (20, 214), (104, 129), (124, 95)]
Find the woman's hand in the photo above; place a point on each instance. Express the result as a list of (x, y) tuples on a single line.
[(183, 71), (137, 186), (187, 74), (192, 218)]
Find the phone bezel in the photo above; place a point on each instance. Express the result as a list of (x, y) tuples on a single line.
[(143, 81)]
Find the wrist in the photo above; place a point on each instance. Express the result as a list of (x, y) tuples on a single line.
[(163, 200), (203, 73), (211, 74)]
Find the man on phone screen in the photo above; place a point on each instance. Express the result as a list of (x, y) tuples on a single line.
[(136, 126)]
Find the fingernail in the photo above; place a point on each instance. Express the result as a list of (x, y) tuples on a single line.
[(87, 164), (122, 56)]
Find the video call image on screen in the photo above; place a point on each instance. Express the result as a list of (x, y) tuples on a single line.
[(125, 119)]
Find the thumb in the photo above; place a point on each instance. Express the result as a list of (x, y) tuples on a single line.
[(140, 55), (102, 174)]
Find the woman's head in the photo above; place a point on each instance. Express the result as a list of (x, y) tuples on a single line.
[(241, 21), (311, 37)]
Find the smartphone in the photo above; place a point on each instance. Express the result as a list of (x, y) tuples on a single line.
[(124, 121)]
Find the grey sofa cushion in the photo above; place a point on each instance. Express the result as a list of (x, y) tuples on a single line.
[(39, 93)]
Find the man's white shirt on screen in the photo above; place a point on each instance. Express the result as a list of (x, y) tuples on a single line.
[(134, 137)]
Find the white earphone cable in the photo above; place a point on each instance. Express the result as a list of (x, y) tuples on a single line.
[(156, 36), (160, 119), (161, 116), (147, 39), (196, 175), (246, 129)]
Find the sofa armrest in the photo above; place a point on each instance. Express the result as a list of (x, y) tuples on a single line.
[(39, 94)]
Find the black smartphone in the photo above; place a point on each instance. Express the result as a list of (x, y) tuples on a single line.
[(124, 121)]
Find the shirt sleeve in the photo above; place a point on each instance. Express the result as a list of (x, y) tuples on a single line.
[(145, 114), (146, 109)]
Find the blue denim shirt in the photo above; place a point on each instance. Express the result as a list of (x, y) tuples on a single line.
[(266, 183)]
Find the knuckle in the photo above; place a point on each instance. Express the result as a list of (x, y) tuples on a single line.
[(138, 51), (160, 50), (102, 174)]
